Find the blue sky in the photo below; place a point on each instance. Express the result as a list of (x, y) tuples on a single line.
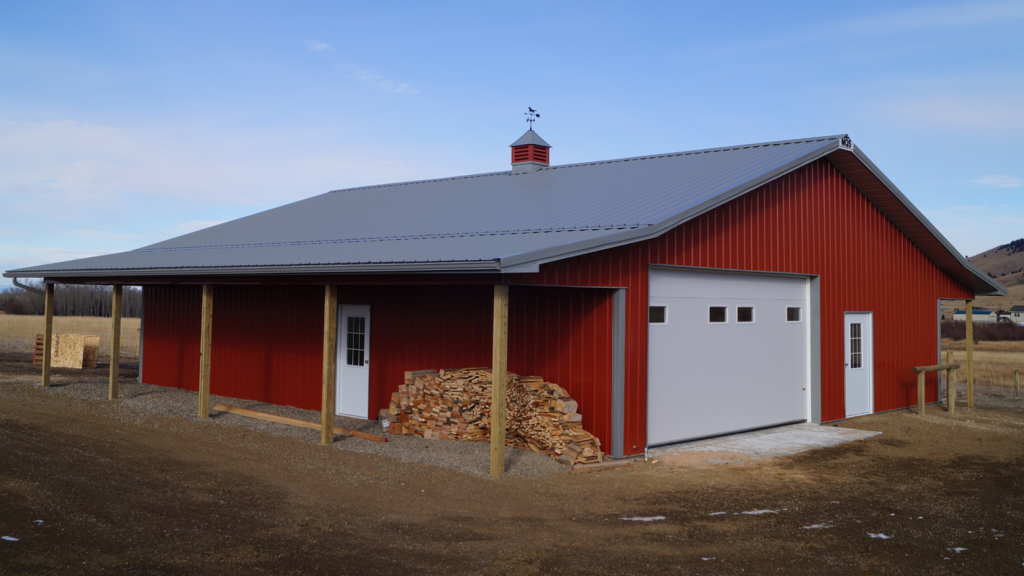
[(123, 124)]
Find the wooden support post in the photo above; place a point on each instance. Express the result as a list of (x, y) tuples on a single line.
[(205, 348), (499, 371), (1016, 383), (48, 336), (950, 384), (951, 390), (970, 353), (115, 343), (330, 364), (920, 393)]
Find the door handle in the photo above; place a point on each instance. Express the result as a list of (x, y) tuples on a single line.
[(366, 361), (847, 364)]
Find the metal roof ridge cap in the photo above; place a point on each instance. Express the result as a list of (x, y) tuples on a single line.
[(692, 152)]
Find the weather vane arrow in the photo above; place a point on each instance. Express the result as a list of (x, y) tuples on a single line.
[(531, 116)]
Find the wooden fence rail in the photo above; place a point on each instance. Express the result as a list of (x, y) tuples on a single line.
[(950, 385)]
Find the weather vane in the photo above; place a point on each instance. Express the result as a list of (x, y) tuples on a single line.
[(531, 116)]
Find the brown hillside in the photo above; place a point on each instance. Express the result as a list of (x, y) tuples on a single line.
[(1002, 262), (1006, 264)]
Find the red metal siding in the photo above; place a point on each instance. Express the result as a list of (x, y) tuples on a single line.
[(171, 341), (267, 340), (565, 335), (812, 221)]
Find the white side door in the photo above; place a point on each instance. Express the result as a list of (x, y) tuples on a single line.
[(353, 381), (859, 363)]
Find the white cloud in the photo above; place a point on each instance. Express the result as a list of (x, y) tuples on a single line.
[(372, 78), (13, 257), (934, 16), (999, 181), (104, 235), (191, 226), (972, 112), (315, 46)]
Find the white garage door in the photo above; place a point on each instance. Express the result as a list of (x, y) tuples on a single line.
[(727, 352)]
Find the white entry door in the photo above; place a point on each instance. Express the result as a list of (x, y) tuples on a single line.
[(859, 364), (353, 390)]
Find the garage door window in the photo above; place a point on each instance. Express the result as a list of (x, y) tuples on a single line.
[(793, 314), (718, 314), (657, 314), (744, 314)]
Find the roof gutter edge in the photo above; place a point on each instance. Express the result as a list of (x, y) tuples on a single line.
[(474, 266)]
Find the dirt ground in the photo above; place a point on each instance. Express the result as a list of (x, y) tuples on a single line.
[(87, 488)]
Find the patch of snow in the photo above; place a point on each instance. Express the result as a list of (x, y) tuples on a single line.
[(957, 550), (893, 514), (817, 526), (643, 518), (879, 535), (757, 512), (9, 539), (38, 521), (717, 513), (706, 559), (835, 501)]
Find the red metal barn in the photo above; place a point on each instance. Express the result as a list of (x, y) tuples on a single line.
[(675, 296)]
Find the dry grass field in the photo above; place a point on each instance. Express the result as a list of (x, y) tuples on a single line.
[(18, 333), (994, 362)]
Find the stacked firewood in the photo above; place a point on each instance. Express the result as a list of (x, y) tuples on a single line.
[(456, 405)]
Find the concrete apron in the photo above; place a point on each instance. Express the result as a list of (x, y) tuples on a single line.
[(761, 444)]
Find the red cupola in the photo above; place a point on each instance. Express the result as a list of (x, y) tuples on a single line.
[(530, 153)]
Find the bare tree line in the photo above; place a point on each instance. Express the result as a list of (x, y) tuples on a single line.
[(71, 300)]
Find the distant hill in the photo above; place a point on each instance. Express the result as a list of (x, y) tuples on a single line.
[(1004, 263)]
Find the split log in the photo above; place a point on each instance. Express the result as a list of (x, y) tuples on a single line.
[(455, 405)]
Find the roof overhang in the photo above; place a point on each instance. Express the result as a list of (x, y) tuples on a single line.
[(857, 168)]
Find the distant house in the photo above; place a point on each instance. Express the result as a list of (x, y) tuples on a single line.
[(980, 315), (1016, 315)]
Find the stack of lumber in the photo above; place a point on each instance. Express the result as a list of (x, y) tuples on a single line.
[(69, 350), (456, 405)]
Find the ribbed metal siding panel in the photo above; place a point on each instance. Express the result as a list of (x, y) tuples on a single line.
[(812, 221), (172, 336), (268, 340), (267, 343), (564, 335)]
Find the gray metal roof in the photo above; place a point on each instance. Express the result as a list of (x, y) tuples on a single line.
[(490, 222), (530, 137)]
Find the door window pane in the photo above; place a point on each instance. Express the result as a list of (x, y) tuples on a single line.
[(717, 314), (355, 344), (855, 346), (793, 314), (745, 314), (656, 314)]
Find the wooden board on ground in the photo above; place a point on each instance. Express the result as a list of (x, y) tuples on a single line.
[(294, 422), (584, 468), (70, 350)]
